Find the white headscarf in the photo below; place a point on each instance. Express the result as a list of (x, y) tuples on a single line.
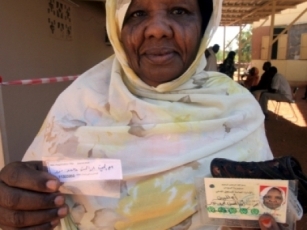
[(264, 192), (164, 136), (117, 10)]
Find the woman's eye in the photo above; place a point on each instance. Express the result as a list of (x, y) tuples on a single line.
[(179, 11), (138, 14)]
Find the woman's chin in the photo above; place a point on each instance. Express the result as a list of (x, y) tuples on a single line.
[(159, 77)]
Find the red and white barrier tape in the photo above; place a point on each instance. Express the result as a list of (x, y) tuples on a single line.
[(39, 80)]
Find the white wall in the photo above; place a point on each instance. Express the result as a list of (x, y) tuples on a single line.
[(28, 51)]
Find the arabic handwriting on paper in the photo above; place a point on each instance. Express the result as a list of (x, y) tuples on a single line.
[(100, 168), (105, 168), (73, 170), (82, 170)]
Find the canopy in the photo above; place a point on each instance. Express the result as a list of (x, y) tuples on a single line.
[(240, 12)]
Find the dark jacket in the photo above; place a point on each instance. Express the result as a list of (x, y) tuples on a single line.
[(264, 83), (228, 67)]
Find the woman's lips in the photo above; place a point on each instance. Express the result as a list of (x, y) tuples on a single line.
[(159, 56)]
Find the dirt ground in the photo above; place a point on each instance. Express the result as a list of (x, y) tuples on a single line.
[(287, 135)]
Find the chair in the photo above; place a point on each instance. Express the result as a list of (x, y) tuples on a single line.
[(277, 108)]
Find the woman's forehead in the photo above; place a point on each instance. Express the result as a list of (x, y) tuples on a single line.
[(274, 190)]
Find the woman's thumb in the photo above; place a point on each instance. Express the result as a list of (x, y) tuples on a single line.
[(267, 222)]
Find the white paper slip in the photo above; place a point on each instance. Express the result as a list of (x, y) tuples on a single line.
[(86, 170), (246, 199)]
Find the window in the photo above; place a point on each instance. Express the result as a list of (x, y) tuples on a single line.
[(303, 48)]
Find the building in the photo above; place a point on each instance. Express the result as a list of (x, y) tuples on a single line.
[(42, 39), (289, 52)]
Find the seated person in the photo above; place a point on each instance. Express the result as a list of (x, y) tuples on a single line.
[(280, 90), (265, 80), (264, 83), (251, 78)]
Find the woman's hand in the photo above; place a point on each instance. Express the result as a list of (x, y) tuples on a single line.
[(29, 197), (266, 222)]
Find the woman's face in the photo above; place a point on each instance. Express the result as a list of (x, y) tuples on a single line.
[(273, 199), (161, 38)]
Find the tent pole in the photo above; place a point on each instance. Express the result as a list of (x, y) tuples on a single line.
[(239, 52), (272, 30), (224, 49)]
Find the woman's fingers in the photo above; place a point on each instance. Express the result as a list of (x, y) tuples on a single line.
[(39, 227), (22, 219), (267, 222), (20, 199), (29, 197), (30, 176)]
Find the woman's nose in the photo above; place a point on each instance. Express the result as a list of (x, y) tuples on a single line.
[(159, 26)]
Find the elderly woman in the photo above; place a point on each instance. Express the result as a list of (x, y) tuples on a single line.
[(151, 106), (273, 198)]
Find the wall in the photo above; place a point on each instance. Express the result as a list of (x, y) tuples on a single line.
[(293, 69), (256, 40), (294, 40), (29, 51), (2, 124)]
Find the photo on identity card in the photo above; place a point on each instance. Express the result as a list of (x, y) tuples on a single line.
[(246, 199)]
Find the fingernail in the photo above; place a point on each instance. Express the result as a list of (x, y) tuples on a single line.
[(62, 212), (52, 184), (266, 222), (59, 201), (55, 223)]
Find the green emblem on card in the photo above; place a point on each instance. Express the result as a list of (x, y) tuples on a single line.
[(255, 211), (232, 210), (222, 210), (243, 211), (211, 209)]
